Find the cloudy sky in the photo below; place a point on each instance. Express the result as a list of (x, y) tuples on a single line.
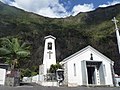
[(59, 8)]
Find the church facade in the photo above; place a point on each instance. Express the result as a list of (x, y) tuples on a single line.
[(87, 67)]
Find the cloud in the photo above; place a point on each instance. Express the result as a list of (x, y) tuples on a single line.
[(110, 3), (48, 8), (53, 12), (5, 1), (53, 8), (82, 8)]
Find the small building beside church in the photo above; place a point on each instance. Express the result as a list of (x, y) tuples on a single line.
[(88, 67), (3, 72)]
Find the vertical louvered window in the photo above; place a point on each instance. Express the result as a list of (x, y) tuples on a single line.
[(74, 69)]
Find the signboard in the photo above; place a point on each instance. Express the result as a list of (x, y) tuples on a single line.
[(2, 76)]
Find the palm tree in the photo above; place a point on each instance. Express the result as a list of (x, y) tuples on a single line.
[(13, 51)]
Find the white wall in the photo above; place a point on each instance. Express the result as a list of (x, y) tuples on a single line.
[(74, 79), (35, 78), (85, 55), (2, 76)]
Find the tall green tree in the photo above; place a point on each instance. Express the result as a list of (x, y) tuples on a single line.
[(13, 51)]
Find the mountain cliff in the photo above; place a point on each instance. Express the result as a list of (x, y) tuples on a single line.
[(93, 28)]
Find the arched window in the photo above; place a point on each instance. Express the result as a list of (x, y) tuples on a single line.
[(49, 46)]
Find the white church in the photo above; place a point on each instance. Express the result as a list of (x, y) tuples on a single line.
[(86, 67)]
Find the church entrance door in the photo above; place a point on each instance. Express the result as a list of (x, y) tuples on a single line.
[(91, 75)]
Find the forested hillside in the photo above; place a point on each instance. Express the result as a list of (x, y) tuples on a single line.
[(93, 28)]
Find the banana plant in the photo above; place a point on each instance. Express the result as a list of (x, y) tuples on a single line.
[(13, 50)]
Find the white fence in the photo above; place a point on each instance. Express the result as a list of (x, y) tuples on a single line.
[(35, 79), (40, 79)]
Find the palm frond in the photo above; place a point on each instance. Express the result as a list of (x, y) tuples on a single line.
[(6, 43), (23, 53), (25, 46), (4, 51), (16, 44)]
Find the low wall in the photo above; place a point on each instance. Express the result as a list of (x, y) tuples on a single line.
[(12, 81), (49, 84)]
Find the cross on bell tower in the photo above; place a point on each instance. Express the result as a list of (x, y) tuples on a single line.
[(117, 32), (49, 53), (115, 22)]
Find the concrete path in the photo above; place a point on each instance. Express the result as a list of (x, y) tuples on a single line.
[(57, 88)]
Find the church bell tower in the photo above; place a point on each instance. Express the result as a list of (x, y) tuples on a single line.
[(49, 57)]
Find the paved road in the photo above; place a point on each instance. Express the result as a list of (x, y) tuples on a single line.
[(56, 88)]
